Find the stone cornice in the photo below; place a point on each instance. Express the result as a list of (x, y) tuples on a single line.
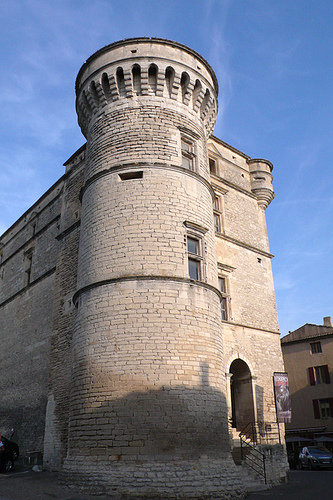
[(145, 165), (173, 279)]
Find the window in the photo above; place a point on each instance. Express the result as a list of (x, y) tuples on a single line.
[(136, 174), (217, 214), (224, 273), (188, 156), (323, 408), (224, 300), (319, 375), (27, 267), (315, 347), (194, 257), (212, 166)]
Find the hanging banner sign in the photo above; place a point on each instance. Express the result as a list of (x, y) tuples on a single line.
[(282, 397)]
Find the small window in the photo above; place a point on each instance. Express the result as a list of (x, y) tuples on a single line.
[(315, 347), (325, 410), (217, 214), (126, 176), (194, 258), (224, 300), (188, 156), (212, 166), (27, 268)]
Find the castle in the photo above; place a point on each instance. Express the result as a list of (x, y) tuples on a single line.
[(137, 308)]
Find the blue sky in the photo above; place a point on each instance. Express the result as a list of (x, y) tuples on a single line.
[(273, 60)]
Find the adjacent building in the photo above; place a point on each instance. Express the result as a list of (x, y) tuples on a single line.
[(308, 358), (137, 310)]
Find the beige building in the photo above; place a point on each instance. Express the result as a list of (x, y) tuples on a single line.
[(308, 358), (137, 309)]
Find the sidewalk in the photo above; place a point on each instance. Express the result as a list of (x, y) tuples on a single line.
[(23, 484)]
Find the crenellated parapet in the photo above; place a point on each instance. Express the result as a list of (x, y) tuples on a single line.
[(141, 69), (261, 181)]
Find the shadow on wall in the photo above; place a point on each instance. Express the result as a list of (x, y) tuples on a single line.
[(169, 422), (29, 425), (260, 403)]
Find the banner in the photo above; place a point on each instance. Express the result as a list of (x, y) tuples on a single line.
[(282, 397)]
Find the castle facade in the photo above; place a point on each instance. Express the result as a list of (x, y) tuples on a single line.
[(137, 308)]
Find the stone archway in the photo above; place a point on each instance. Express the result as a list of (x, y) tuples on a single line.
[(242, 407)]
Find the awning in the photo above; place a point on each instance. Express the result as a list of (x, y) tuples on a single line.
[(297, 439)]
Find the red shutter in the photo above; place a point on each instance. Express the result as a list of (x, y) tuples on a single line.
[(330, 400), (327, 374), (316, 411), (311, 376)]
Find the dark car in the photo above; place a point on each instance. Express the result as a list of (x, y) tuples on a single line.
[(9, 452), (315, 457)]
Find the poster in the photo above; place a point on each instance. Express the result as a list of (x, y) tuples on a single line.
[(282, 397)]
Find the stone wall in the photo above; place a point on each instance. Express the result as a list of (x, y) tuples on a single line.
[(29, 251)]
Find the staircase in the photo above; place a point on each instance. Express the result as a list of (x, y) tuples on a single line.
[(248, 457)]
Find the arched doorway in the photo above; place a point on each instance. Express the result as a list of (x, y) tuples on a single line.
[(242, 409)]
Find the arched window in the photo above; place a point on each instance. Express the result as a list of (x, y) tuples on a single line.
[(93, 93), (204, 103), (169, 78), (184, 82), (152, 78), (106, 86), (196, 93), (136, 77), (121, 82)]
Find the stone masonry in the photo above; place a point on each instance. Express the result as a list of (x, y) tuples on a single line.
[(140, 284)]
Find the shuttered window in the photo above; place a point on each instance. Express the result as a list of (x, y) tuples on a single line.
[(316, 410), (311, 376), (319, 375)]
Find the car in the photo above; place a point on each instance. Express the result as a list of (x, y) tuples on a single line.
[(314, 457), (9, 452)]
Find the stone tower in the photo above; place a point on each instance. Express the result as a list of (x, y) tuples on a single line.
[(148, 411)]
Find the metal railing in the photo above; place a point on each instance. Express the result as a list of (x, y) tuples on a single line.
[(250, 437), (253, 457)]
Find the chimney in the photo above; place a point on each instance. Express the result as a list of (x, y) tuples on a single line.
[(328, 321)]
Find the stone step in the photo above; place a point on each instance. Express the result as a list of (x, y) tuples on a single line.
[(250, 480)]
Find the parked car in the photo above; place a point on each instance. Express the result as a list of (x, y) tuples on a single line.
[(315, 457), (9, 452)]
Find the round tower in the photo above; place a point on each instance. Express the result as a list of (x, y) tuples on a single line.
[(147, 408)]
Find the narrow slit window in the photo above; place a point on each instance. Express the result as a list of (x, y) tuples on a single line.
[(27, 268), (217, 211), (224, 299), (126, 176)]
